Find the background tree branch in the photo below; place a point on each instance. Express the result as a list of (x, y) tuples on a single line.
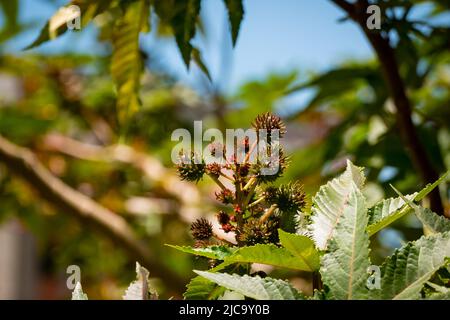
[(186, 193), (25, 164), (386, 55)]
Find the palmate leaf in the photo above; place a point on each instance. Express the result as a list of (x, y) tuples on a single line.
[(404, 274), (431, 222), (344, 266), (390, 210), (235, 15), (254, 287), (126, 61), (200, 288), (57, 24), (272, 255), (212, 252), (330, 203), (197, 57), (182, 15)]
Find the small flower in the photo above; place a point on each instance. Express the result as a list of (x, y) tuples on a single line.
[(255, 231), (227, 228), (237, 209), (269, 121), (213, 169), (190, 169), (225, 196), (201, 229)]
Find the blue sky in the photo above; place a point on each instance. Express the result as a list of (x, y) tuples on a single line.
[(275, 36)]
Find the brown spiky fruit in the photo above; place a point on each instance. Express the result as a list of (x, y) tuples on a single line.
[(201, 229), (269, 121), (213, 169), (225, 196)]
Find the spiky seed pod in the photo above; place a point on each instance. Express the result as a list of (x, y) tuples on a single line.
[(191, 168), (255, 231), (201, 243), (201, 229), (223, 217), (270, 168), (225, 196), (269, 121), (213, 169), (291, 197), (270, 194)]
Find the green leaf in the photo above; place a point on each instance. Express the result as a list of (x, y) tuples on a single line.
[(301, 247), (430, 187), (235, 15), (344, 266), (200, 288), (330, 203), (410, 267), (126, 61), (78, 293), (185, 15), (140, 289), (392, 209), (57, 24), (432, 222), (212, 252), (196, 56), (254, 287), (271, 255), (386, 212)]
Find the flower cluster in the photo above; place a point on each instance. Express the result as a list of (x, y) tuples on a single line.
[(256, 211)]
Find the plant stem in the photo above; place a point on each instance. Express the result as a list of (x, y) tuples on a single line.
[(397, 89), (249, 183), (268, 213), (252, 148), (219, 183), (226, 176), (254, 203)]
